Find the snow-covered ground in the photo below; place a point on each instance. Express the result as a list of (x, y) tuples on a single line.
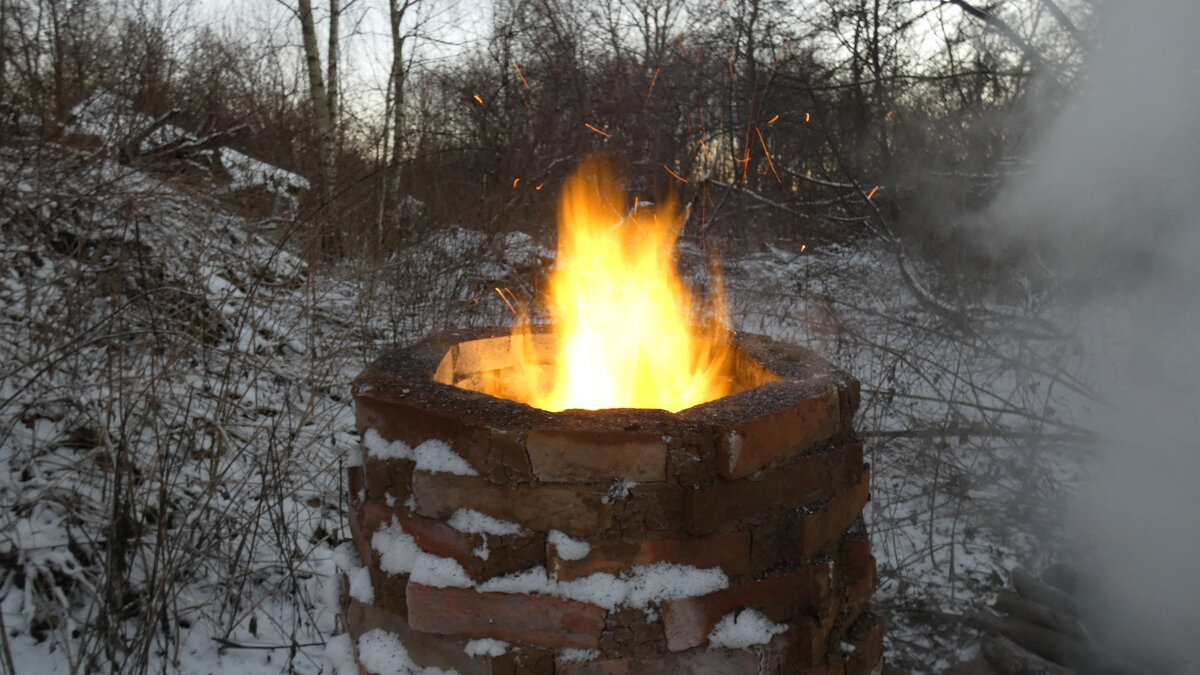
[(175, 417)]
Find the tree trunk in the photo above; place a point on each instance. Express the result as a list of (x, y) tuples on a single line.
[(3, 45), (397, 10), (318, 95), (332, 94)]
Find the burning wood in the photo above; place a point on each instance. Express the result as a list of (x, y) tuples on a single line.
[(622, 314)]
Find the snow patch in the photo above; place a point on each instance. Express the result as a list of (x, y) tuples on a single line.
[(339, 656), (743, 627), (568, 548), (399, 554), (572, 655), (436, 456), (618, 491), (638, 587), (474, 522), (380, 651), (381, 449), (486, 647), (346, 558)]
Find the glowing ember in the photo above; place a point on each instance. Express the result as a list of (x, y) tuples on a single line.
[(622, 315)]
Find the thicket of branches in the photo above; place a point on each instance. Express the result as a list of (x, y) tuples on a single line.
[(758, 104)]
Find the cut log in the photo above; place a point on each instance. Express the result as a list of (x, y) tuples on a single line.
[(1007, 602), (1032, 588), (1010, 658), (1054, 646)]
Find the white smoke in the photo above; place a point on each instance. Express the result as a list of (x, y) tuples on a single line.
[(1115, 200)]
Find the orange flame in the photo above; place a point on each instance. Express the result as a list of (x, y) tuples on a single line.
[(622, 316)]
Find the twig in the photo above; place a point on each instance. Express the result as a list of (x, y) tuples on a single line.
[(230, 644)]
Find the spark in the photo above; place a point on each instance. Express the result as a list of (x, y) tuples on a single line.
[(505, 299), (520, 75), (551, 57), (770, 163), (802, 247), (872, 194), (806, 117), (597, 130), (515, 181), (539, 186), (772, 120), (891, 112), (674, 174), (478, 100), (649, 93)]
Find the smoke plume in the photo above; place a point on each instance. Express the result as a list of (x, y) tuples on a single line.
[(1112, 201)]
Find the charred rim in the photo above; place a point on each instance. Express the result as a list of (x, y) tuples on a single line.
[(787, 400), (488, 365)]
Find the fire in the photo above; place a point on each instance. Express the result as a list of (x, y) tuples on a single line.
[(622, 315)]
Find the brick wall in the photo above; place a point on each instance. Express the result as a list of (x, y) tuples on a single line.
[(767, 485)]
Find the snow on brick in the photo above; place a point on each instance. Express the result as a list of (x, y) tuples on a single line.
[(346, 558), (568, 548), (573, 655), (436, 456), (640, 587), (399, 554), (486, 647), (474, 522), (742, 628), (381, 449)]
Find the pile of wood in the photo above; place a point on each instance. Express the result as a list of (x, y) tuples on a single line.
[(1040, 628)]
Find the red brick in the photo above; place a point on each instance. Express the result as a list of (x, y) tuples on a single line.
[(595, 456), (389, 591), (858, 598), (813, 531), (867, 637), (730, 552), (849, 396), (776, 436), (698, 662), (854, 557), (362, 541), (688, 621), (650, 511), (537, 619), (384, 477), (725, 505), (575, 511), (355, 485)]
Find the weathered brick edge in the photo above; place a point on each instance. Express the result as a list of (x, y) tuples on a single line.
[(767, 484)]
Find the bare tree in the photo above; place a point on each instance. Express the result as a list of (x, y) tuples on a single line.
[(321, 97), (398, 11)]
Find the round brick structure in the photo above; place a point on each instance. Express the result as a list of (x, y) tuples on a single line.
[(766, 485)]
